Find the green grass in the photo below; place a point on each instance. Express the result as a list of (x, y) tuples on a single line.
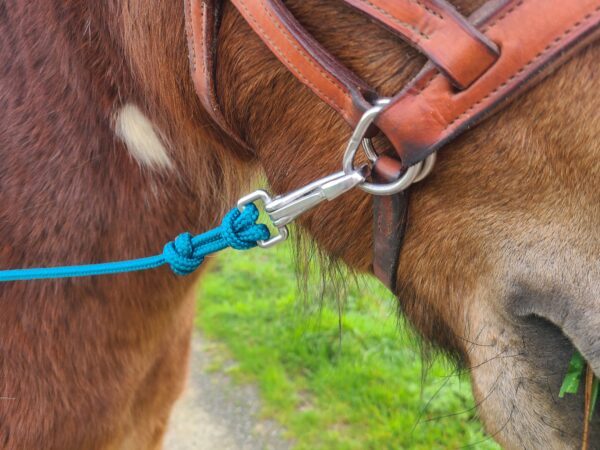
[(363, 392)]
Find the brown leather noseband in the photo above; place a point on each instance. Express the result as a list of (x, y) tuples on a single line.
[(476, 65)]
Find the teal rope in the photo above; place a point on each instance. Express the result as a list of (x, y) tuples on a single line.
[(238, 230)]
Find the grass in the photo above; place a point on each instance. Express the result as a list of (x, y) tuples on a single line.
[(361, 389)]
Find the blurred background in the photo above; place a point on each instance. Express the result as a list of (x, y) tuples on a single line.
[(273, 368)]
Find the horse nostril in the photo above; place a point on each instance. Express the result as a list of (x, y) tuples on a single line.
[(534, 314), (544, 342), (552, 324), (552, 305)]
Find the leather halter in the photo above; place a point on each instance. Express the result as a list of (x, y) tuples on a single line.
[(476, 65)]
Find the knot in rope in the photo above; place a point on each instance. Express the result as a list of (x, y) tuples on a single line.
[(238, 230), (181, 255)]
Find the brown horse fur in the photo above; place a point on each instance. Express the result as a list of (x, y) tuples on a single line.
[(500, 258)]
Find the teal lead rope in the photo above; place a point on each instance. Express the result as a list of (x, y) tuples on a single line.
[(238, 230)]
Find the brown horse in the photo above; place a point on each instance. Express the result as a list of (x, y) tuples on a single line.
[(107, 154)]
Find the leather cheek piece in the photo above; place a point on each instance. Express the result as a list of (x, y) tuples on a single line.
[(201, 32)]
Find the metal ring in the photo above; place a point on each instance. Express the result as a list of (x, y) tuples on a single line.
[(358, 138), (427, 167), (396, 186), (369, 149)]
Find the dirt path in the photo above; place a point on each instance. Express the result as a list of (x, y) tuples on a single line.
[(215, 413)]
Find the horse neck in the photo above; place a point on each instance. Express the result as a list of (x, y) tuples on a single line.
[(80, 93)]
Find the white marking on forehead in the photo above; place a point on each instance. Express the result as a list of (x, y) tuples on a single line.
[(141, 138)]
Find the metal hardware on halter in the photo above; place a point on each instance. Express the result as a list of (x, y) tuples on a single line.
[(426, 168), (412, 175), (284, 209)]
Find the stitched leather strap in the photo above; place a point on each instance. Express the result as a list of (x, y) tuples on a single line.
[(532, 35), (454, 45), (306, 58), (201, 20)]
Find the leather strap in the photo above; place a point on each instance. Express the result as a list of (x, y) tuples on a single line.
[(533, 34), (428, 112), (455, 46), (390, 218), (307, 59), (201, 21)]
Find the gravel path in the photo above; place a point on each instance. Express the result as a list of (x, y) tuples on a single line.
[(215, 413)]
